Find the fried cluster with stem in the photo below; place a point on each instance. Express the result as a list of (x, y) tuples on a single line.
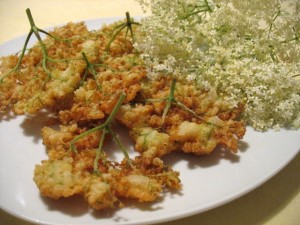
[(92, 80), (181, 118)]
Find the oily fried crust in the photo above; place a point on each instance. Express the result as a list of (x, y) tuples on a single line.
[(37, 86), (68, 172), (198, 122), (81, 85), (94, 103), (70, 175)]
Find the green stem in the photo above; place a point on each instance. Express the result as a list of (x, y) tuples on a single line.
[(54, 37), (90, 67), (20, 57), (196, 10), (170, 99), (184, 107), (296, 38), (104, 126), (115, 36), (34, 29), (208, 7), (272, 24), (115, 109), (99, 151), (119, 143), (82, 135), (118, 29), (194, 13), (156, 99), (129, 24)]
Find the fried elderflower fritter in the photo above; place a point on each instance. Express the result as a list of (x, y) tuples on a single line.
[(73, 174), (87, 79), (115, 75), (34, 88), (196, 121)]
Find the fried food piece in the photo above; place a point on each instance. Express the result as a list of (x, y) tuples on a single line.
[(43, 78), (81, 82), (134, 116), (56, 178), (195, 138), (7, 86), (99, 192), (58, 141), (203, 138), (116, 75), (197, 121), (162, 173), (140, 187), (46, 76), (72, 175), (80, 79), (151, 143), (204, 103), (144, 182)]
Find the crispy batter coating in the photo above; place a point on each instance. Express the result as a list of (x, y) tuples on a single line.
[(37, 86), (134, 116), (197, 122), (81, 81), (92, 102), (151, 143), (56, 178), (140, 187), (99, 192), (8, 87), (57, 141), (72, 175)]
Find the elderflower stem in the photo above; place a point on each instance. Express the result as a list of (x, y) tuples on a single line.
[(172, 100), (103, 126), (90, 67), (272, 23), (82, 135), (118, 29), (99, 151), (197, 9), (36, 31), (20, 57), (209, 9), (119, 143)]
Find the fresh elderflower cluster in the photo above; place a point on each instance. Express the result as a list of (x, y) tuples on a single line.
[(247, 50)]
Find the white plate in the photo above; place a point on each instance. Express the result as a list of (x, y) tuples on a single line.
[(207, 181)]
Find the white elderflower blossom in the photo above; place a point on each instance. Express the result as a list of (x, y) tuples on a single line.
[(248, 50)]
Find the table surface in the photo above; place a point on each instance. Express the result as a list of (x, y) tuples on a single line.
[(275, 202)]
